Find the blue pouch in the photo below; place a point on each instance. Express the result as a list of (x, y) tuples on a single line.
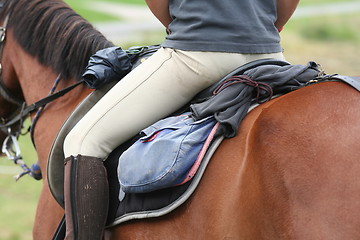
[(164, 156)]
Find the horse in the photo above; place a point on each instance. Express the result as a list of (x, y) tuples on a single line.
[(291, 172)]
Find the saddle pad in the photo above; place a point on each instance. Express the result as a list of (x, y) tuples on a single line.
[(153, 204), (157, 203)]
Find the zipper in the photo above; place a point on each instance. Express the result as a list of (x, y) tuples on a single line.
[(73, 176)]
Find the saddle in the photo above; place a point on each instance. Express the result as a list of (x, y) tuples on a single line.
[(153, 203)]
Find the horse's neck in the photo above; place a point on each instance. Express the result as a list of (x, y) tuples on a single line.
[(36, 81)]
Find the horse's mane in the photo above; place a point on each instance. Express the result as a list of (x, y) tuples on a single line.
[(54, 34)]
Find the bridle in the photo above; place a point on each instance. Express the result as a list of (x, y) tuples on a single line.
[(13, 126), (4, 91)]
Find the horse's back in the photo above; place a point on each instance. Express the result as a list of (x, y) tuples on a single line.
[(291, 172), (305, 151)]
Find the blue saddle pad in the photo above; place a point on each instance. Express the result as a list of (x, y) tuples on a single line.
[(165, 154)]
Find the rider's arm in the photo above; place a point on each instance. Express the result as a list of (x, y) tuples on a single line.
[(160, 8), (285, 9)]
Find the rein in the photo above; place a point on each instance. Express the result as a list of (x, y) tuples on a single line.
[(13, 125), (38, 105)]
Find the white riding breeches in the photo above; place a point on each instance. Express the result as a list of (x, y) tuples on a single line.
[(158, 87)]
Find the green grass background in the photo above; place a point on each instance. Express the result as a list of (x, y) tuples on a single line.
[(332, 41)]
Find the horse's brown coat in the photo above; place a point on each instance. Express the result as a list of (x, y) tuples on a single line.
[(291, 173)]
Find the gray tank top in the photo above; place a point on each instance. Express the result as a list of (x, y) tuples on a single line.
[(239, 26)]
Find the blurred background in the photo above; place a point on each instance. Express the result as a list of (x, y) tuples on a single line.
[(324, 31)]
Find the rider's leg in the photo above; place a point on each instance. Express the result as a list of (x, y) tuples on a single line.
[(159, 86)]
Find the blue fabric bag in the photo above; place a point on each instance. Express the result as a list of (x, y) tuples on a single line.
[(164, 156)]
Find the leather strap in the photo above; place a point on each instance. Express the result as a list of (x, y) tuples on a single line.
[(60, 231), (41, 103), (352, 81), (5, 93)]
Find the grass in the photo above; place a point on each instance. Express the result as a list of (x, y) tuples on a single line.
[(334, 57), (331, 41), (137, 2), (341, 28), (17, 209), (81, 7), (312, 2)]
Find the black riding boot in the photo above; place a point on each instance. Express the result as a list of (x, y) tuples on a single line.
[(86, 197)]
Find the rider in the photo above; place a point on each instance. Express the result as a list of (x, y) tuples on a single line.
[(206, 40)]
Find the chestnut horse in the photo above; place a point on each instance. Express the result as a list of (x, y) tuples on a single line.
[(292, 172)]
